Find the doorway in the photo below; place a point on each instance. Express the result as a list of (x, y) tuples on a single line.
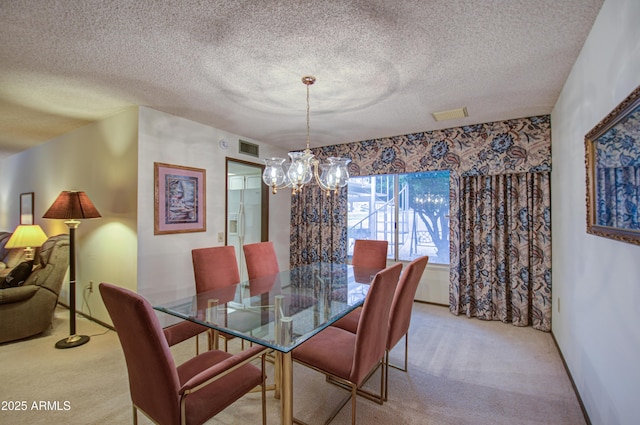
[(247, 208)]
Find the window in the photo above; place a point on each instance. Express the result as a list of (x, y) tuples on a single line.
[(411, 211)]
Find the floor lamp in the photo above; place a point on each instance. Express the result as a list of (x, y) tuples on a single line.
[(72, 206)]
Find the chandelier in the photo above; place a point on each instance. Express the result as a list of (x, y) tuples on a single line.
[(330, 176)]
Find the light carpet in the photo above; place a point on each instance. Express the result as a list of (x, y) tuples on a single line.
[(461, 371)]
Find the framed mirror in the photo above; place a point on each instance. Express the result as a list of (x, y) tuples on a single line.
[(612, 150)]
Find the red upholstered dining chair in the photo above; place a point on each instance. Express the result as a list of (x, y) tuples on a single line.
[(370, 254), (213, 268), (350, 358), (399, 316), (190, 393), (261, 259)]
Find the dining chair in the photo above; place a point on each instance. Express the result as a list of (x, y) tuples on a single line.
[(190, 393), (370, 254), (261, 259), (399, 316), (350, 358), (215, 268), (183, 331)]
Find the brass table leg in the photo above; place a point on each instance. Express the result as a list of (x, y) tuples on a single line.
[(287, 389), (277, 374)]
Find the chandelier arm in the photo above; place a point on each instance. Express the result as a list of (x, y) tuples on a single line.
[(315, 163)]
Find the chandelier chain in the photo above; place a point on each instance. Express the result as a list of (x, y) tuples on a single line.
[(308, 128)]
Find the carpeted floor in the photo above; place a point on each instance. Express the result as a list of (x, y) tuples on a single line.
[(461, 371)]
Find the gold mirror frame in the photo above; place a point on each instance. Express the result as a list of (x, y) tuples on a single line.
[(616, 118)]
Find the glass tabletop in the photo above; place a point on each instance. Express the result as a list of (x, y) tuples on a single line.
[(279, 311)]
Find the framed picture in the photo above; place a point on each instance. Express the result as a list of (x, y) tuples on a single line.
[(26, 208), (180, 205), (612, 159)]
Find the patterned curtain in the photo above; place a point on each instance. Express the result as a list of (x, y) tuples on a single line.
[(318, 227), (505, 249), (500, 149)]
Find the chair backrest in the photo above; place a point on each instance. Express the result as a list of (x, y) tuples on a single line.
[(261, 259), (370, 254), (153, 378), (53, 262), (371, 336), (215, 268), (401, 307)]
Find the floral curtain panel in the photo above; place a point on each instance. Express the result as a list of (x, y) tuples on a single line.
[(318, 227), (516, 146), (505, 249)]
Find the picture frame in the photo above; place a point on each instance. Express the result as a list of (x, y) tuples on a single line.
[(180, 199), (26, 208), (612, 159)]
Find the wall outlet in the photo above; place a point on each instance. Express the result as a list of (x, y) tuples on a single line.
[(220, 236), (91, 286), (558, 304)]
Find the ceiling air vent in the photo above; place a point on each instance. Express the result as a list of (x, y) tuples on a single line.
[(249, 148), (451, 114)]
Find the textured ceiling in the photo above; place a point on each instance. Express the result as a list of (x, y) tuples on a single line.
[(382, 67)]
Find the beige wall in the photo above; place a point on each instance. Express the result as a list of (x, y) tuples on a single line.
[(100, 159), (165, 269), (596, 281), (112, 161)]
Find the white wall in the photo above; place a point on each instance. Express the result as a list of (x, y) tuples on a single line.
[(434, 285), (596, 281), (165, 268), (100, 159)]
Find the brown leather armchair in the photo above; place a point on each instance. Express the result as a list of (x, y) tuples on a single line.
[(27, 310)]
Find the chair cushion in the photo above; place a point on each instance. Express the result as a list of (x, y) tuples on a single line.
[(350, 321), (182, 331), (330, 350), (18, 275), (220, 394)]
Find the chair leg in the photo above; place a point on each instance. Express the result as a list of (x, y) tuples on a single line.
[(387, 364), (386, 374), (197, 345), (135, 415), (406, 352), (264, 393), (354, 395), (379, 397)]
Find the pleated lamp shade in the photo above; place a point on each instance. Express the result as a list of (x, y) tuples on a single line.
[(72, 205), (27, 236)]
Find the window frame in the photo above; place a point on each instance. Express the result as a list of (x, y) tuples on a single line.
[(395, 244)]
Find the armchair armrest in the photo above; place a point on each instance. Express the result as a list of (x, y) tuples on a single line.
[(221, 369), (19, 293)]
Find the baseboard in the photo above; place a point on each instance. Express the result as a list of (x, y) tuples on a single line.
[(573, 383), (430, 303), (86, 316)]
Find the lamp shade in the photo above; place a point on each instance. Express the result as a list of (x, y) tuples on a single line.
[(72, 205), (27, 236)]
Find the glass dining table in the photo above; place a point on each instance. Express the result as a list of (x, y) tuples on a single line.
[(279, 311)]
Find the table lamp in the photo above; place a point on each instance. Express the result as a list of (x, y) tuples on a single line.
[(27, 236), (72, 206)]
